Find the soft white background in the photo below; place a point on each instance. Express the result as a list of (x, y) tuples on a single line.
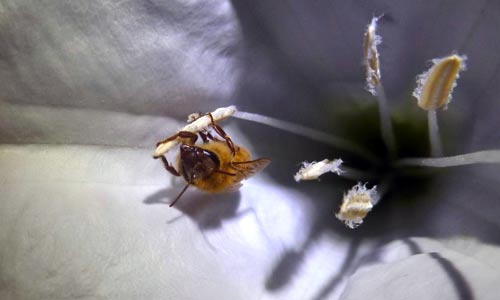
[(87, 88)]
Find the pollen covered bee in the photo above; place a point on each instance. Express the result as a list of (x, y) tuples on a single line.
[(215, 165)]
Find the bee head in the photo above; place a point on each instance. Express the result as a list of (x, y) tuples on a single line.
[(197, 163)]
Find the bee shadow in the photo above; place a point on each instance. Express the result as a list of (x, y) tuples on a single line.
[(207, 210)]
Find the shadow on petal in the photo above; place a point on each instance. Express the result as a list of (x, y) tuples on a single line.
[(463, 289), (207, 210)]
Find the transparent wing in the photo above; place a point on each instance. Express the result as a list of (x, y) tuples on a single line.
[(243, 170), (246, 169)]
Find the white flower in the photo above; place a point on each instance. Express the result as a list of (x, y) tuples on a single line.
[(88, 87)]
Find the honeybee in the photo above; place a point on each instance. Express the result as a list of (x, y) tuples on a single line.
[(216, 165)]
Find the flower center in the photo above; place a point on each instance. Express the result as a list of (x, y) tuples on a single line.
[(362, 126)]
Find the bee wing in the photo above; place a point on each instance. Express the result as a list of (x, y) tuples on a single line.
[(233, 187), (247, 169), (244, 170)]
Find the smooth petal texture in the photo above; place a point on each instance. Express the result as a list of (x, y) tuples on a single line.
[(127, 56), (87, 89), (78, 222), (420, 268)]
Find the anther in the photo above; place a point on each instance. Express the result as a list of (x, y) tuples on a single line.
[(356, 204), (311, 171), (434, 87)]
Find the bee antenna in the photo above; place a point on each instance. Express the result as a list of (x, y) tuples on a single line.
[(180, 194)]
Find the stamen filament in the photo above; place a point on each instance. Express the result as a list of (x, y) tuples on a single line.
[(434, 137), (385, 121), (307, 132), (480, 157), (355, 174)]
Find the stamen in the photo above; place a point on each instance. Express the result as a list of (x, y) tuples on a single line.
[(356, 204), (374, 83), (370, 43), (434, 138), (434, 90), (480, 157), (356, 174), (310, 133), (435, 87), (193, 117), (196, 125), (311, 171)]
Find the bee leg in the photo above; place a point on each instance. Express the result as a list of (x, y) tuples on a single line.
[(223, 134), (205, 136), (174, 172), (211, 137), (188, 135), (169, 167), (181, 134)]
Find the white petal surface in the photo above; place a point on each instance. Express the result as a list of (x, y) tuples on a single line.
[(420, 268), (91, 222), (87, 89)]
